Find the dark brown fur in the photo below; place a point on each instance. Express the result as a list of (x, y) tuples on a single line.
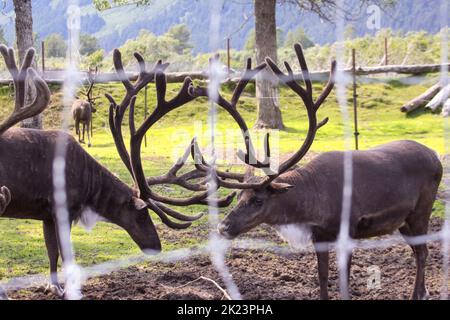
[(394, 188), (26, 161)]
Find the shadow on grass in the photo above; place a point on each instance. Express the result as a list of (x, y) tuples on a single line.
[(293, 130), (417, 113)]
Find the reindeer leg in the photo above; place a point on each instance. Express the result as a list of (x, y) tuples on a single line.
[(323, 267), (88, 125), (51, 242), (421, 253), (349, 266), (66, 255), (84, 131), (77, 130), (416, 224)]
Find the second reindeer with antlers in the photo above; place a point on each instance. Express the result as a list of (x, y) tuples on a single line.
[(394, 187), (83, 110)]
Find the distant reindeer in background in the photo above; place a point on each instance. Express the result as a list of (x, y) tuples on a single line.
[(82, 110)]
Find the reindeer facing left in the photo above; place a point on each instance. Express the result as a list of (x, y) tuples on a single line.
[(93, 193)]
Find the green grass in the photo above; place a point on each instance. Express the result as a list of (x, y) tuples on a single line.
[(22, 248)]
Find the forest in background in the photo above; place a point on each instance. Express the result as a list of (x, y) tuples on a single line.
[(114, 27), (176, 47)]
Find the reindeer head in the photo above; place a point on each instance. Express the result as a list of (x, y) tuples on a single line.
[(254, 207), (262, 197), (91, 78), (134, 217)]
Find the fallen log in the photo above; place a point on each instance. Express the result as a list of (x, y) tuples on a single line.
[(411, 69), (421, 100), (57, 76), (446, 109), (439, 99)]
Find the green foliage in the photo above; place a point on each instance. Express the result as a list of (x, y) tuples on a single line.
[(410, 48), (403, 49), (88, 44), (102, 5), (164, 47), (298, 36), (55, 45), (250, 42), (96, 59), (182, 35), (2, 36)]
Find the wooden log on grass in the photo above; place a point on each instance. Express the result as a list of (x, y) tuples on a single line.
[(439, 99), (421, 100), (446, 109)]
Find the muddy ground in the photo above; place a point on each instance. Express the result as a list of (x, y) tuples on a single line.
[(264, 275)]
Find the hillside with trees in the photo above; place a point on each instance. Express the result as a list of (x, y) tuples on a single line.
[(113, 27)]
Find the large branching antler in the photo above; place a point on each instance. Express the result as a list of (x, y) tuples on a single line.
[(24, 111), (133, 160), (307, 97), (249, 156), (201, 172), (306, 94), (91, 78)]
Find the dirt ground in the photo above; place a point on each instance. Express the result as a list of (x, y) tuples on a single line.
[(264, 275)]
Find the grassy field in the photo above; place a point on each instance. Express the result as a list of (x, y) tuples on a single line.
[(22, 249)]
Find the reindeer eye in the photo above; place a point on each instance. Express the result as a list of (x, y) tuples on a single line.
[(259, 202)]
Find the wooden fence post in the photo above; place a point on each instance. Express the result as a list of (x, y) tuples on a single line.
[(386, 53), (228, 56), (43, 56), (355, 97)]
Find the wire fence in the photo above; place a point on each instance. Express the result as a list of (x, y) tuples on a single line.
[(215, 247)]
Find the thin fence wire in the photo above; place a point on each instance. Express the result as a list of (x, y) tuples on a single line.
[(187, 253), (183, 254), (444, 16), (344, 242), (216, 247), (72, 272)]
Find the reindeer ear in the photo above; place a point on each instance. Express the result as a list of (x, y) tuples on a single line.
[(139, 204), (276, 187)]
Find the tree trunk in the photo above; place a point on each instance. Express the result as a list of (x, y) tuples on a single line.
[(24, 36), (269, 115)]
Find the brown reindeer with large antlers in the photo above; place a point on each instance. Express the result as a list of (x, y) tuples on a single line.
[(93, 193), (83, 110), (394, 187)]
